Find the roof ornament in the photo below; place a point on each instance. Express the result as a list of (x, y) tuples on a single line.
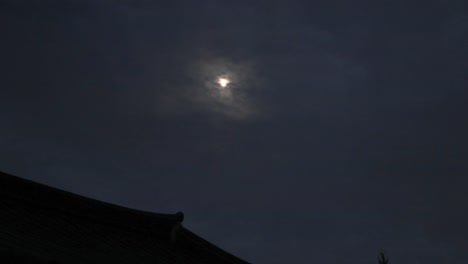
[(177, 226)]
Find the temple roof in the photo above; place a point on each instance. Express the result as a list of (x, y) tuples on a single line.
[(54, 225)]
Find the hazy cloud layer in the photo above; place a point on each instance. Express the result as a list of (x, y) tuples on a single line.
[(343, 131)]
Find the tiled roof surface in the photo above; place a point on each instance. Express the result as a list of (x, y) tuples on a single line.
[(50, 224)]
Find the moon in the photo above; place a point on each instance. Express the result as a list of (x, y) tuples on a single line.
[(223, 82), (222, 86)]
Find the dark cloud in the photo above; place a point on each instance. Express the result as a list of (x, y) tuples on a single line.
[(343, 132)]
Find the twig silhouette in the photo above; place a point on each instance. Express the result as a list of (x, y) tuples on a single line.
[(383, 259)]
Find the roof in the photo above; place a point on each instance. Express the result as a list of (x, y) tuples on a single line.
[(54, 225)]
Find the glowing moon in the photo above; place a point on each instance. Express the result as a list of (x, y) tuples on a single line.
[(223, 82)]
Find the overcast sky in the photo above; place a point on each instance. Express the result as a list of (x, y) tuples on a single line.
[(342, 131)]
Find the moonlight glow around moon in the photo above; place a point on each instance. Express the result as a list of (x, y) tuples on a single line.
[(222, 86), (223, 82)]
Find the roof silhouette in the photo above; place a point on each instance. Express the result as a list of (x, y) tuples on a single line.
[(48, 224)]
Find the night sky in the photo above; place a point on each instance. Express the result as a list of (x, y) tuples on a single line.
[(343, 130)]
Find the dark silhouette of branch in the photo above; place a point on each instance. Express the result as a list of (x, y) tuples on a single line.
[(383, 259)]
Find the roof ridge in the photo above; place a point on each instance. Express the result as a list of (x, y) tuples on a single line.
[(214, 249), (35, 190)]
